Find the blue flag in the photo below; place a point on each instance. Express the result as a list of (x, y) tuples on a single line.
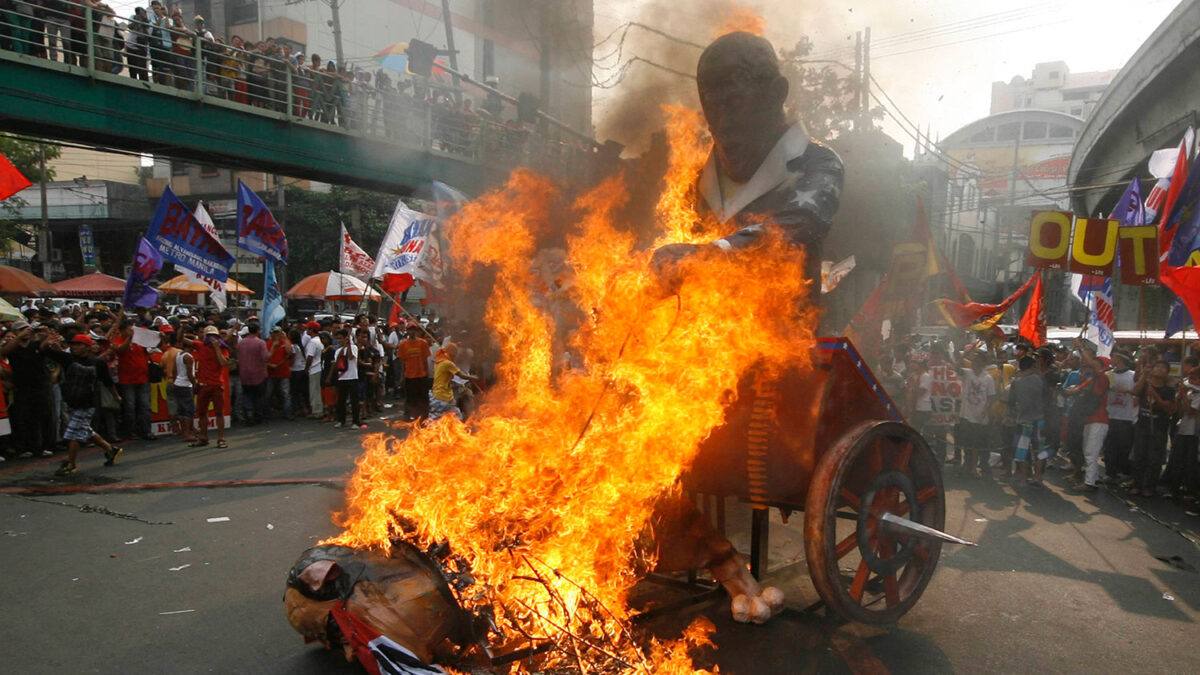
[(1178, 319), (1184, 218), (146, 266), (272, 311), (258, 231), (180, 238), (1129, 209)]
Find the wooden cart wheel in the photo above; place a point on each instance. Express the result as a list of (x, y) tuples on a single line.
[(864, 569)]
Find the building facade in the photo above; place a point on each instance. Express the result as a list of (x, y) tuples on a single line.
[(1052, 87)]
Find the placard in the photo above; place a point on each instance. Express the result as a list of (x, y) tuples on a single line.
[(1094, 246), (1049, 240), (1138, 246)]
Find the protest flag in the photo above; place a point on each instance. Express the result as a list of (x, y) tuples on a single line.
[(258, 231), (12, 180), (980, 314), (146, 266), (272, 312), (1178, 318), (1181, 223), (1179, 175), (353, 260), (410, 251), (216, 288), (447, 200), (180, 238), (1033, 322)]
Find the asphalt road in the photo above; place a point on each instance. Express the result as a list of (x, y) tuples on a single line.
[(144, 580)]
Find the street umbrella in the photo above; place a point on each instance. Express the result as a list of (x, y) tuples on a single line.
[(8, 312), (330, 286), (94, 285), (395, 58), (15, 281), (181, 285)]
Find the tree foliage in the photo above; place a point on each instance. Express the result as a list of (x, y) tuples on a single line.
[(25, 156), (822, 95), (313, 225)]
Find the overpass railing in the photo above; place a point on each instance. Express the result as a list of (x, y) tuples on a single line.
[(162, 54)]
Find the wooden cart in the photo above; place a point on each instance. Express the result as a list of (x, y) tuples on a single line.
[(830, 442)]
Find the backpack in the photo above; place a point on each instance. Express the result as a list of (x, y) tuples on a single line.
[(79, 385)]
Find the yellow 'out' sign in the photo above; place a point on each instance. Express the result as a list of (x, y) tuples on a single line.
[(1060, 241)]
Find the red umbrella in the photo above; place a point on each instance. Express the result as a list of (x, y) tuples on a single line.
[(15, 281), (330, 286), (94, 285)]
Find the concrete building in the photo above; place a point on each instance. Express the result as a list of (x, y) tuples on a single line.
[(1148, 106), (1052, 87), (541, 47), (1002, 168)]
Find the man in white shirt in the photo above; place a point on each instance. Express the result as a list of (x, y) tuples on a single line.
[(1122, 414), (312, 360), (974, 431), (345, 376)]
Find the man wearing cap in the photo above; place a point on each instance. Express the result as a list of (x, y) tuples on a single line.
[(212, 374), (1122, 413), (82, 375)]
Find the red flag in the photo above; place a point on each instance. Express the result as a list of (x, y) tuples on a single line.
[(1178, 178), (11, 180), (966, 315), (1033, 323), (866, 328)]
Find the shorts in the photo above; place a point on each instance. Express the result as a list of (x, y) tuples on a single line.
[(79, 424), (184, 402), (1029, 437), (973, 435), (438, 408)]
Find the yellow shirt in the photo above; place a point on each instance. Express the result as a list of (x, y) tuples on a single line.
[(442, 373)]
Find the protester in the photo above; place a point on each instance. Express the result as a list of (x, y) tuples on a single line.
[(1122, 413), (973, 433), (345, 375), (279, 372), (1090, 408), (1157, 404), (413, 351), (212, 372), (133, 379), (312, 369), (82, 377), (298, 384), (183, 387), (1025, 406), (252, 369), (32, 398), (1180, 476)]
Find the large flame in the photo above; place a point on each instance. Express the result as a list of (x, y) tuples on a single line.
[(557, 474), (741, 19)]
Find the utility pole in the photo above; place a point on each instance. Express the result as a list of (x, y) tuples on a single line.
[(866, 77), (1012, 209), (544, 27), (858, 82), (336, 24), (447, 21), (44, 231)]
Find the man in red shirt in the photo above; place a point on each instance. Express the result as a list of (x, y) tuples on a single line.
[(133, 380), (212, 376), (413, 351), (1092, 400), (279, 369)]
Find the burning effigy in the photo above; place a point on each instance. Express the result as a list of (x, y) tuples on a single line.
[(522, 530)]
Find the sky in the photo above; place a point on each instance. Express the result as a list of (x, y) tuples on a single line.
[(936, 59)]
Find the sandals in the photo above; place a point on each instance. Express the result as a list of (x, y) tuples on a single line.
[(222, 444), (197, 444)]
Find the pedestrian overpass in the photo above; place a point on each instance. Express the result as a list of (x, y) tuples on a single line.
[(84, 104)]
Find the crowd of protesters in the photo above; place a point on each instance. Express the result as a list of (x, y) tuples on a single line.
[(86, 375), (1122, 420), (158, 43)]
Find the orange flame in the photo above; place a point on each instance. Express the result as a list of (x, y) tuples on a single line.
[(741, 19), (561, 467)]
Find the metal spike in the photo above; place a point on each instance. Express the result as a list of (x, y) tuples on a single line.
[(919, 530)]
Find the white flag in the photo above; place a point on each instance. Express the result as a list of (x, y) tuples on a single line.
[(354, 261), (832, 274), (216, 289), (410, 251)]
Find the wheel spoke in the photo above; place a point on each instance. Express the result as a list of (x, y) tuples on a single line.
[(900, 460), (926, 494), (846, 545), (891, 590), (860, 581), (851, 499)]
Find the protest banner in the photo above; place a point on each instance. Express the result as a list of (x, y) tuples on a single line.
[(180, 238), (258, 231), (945, 394)]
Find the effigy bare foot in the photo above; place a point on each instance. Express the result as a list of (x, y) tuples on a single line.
[(751, 603)]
